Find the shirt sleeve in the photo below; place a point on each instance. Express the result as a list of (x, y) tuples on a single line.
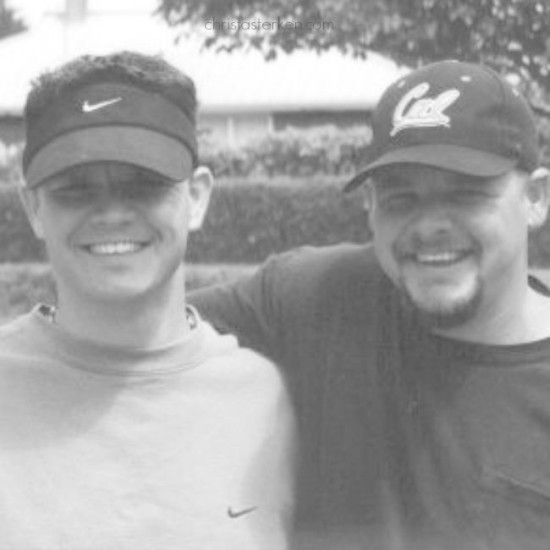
[(250, 307)]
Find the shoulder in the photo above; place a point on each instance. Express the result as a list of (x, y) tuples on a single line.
[(342, 255), (20, 344), (237, 365), (15, 330), (291, 293), (307, 266), (317, 281)]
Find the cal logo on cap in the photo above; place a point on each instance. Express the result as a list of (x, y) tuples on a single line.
[(422, 113)]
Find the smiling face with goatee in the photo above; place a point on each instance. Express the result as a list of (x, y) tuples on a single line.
[(454, 244)]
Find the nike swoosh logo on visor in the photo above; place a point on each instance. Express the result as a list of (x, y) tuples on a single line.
[(88, 107)]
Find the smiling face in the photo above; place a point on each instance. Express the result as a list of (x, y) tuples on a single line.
[(116, 232), (456, 245)]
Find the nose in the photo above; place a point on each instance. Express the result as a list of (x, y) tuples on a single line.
[(433, 221), (112, 208)]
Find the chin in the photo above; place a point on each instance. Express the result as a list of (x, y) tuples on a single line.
[(446, 310)]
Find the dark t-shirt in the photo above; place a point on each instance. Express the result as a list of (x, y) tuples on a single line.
[(408, 440)]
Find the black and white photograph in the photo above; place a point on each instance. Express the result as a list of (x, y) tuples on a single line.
[(275, 275)]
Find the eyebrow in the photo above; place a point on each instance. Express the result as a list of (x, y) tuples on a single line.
[(389, 183), (398, 181)]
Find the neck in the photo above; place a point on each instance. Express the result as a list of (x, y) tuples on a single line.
[(151, 321)]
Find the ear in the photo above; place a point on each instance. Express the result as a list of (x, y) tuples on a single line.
[(367, 189), (31, 205), (200, 189), (538, 197), (368, 196)]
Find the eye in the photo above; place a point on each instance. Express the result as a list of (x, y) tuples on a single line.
[(139, 188), (397, 202), (75, 192), (469, 195), (147, 187)]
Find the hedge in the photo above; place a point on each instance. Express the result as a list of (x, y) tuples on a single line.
[(295, 152), (17, 241), (10, 163), (245, 224), (24, 285)]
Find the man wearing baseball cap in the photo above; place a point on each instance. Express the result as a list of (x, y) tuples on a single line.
[(127, 422), (420, 364)]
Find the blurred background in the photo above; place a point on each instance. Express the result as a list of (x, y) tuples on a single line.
[(286, 90)]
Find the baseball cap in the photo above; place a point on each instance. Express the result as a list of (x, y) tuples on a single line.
[(110, 121), (455, 116)]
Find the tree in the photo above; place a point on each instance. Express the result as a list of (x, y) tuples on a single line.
[(510, 35), (9, 21)]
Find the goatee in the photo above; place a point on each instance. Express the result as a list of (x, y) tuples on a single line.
[(443, 318)]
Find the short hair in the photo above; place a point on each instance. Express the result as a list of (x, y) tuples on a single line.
[(147, 72)]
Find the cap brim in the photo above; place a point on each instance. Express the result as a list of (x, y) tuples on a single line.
[(448, 157), (138, 146)]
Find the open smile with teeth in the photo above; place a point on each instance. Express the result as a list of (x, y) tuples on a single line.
[(440, 258), (115, 248)]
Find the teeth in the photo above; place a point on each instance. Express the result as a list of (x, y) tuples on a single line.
[(438, 258), (107, 249)]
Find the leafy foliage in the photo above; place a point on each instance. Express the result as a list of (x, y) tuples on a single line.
[(10, 163), (10, 23), (22, 286), (319, 151), (510, 35)]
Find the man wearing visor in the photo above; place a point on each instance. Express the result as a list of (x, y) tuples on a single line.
[(128, 422)]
